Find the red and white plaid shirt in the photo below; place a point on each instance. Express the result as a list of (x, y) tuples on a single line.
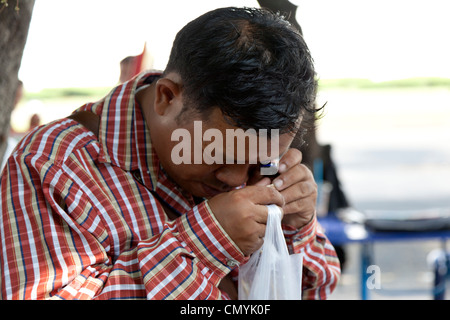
[(81, 218)]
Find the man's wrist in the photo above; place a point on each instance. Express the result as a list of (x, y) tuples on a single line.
[(301, 234)]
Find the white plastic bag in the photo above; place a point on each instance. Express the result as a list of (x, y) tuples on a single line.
[(271, 273)]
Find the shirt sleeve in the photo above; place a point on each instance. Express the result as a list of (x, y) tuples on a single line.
[(55, 243), (202, 255), (321, 267)]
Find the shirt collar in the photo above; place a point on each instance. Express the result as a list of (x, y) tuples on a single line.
[(123, 132), (126, 143)]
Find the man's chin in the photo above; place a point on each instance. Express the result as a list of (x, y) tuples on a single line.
[(209, 192)]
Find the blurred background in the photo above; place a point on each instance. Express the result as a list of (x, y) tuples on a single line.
[(384, 76)]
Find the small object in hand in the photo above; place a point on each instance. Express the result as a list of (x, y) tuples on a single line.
[(270, 168)]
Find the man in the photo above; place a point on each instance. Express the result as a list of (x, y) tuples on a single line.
[(95, 205)]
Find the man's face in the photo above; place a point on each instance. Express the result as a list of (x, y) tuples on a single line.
[(200, 157)]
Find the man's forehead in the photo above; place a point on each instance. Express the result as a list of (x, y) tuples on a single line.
[(216, 134), (249, 146)]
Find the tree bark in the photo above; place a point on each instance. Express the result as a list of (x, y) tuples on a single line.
[(14, 27)]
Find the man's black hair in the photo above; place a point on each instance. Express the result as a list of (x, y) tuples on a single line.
[(249, 62)]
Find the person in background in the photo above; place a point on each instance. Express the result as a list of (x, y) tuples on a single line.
[(127, 68), (94, 206), (131, 66)]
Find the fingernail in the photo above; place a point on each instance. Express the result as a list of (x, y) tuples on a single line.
[(278, 183), (282, 168)]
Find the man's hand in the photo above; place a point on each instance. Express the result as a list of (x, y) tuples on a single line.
[(243, 214), (296, 184)]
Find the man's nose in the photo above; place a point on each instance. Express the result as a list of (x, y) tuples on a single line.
[(234, 175)]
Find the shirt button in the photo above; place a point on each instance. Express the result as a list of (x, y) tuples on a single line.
[(232, 263), (137, 175)]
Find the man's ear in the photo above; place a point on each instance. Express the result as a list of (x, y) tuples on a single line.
[(167, 93)]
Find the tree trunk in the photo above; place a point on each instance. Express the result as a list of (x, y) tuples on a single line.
[(14, 27)]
